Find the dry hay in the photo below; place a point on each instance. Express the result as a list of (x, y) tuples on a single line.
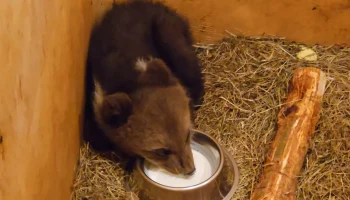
[(246, 84)]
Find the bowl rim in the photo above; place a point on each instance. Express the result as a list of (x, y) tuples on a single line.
[(235, 183), (192, 187)]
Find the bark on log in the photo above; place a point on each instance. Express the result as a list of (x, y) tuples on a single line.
[(296, 125)]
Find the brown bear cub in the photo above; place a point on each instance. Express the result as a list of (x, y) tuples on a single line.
[(143, 82)]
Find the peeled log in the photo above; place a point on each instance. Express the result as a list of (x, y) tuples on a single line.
[(296, 125)]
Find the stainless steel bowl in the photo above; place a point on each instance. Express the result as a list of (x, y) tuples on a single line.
[(220, 186)]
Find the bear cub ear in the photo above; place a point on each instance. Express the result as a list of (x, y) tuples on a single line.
[(115, 109), (154, 73)]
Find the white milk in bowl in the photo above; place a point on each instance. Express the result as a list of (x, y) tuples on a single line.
[(206, 160)]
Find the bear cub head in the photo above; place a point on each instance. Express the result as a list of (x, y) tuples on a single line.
[(153, 122)]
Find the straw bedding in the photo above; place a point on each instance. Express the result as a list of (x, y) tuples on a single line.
[(246, 84)]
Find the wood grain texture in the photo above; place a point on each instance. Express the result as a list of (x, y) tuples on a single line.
[(43, 47), (308, 21), (296, 125)]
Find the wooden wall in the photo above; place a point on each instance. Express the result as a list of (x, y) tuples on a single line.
[(309, 21), (42, 55)]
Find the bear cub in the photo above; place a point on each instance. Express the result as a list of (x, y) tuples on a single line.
[(143, 83)]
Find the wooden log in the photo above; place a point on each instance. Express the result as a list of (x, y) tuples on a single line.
[(43, 47), (296, 124)]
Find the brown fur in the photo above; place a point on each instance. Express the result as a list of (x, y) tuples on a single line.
[(143, 79), (159, 122)]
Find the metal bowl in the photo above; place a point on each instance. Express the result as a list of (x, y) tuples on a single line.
[(220, 186)]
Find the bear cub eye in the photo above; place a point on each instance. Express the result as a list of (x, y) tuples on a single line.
[(162, 152)]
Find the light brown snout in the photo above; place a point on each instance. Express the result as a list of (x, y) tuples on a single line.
[(182, 163)]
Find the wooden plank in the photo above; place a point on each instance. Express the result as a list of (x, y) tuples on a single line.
[(308, 21), (43, 46)]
